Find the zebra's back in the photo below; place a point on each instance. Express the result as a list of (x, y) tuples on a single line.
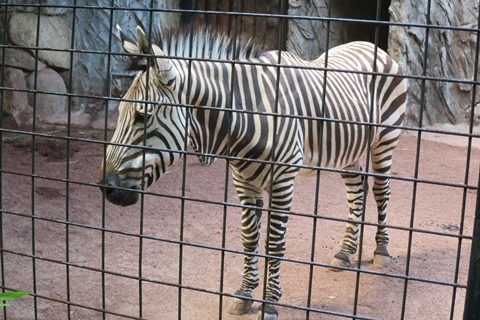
[(330, 129)]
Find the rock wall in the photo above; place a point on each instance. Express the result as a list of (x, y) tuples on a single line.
[(83, 72), (85, 65), (450, 55), (308, 37)]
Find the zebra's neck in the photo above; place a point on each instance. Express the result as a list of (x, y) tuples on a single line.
[(205, 84), (205, 87)]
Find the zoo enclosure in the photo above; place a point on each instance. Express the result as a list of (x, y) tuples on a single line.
[(229, 16)]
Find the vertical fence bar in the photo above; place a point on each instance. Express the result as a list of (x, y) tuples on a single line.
[(368, 158), (273, 155), (109, 95), (472, 305), (33, 169), (467, 165), (227, 167), (318, 174), (67, 176), (105, 135), (143, 187), (2, 73), (417, 156)]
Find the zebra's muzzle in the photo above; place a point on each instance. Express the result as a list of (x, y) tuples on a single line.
[(115, 192)]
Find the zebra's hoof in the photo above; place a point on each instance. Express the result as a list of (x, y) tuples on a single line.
[(381, 257), (340, 260), (240, 306), (269, 313), (381, 261)]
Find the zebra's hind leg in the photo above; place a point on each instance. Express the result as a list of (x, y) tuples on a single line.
[(249, 197), (355, 184), (381, 190)]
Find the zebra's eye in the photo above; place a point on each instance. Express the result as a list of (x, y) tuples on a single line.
[(143, 112), (141, 117)]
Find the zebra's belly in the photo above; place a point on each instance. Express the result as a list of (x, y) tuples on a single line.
[(336, 151), (311, 168)]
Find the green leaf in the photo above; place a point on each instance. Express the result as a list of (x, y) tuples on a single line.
[(12, 295), (4, 305), (14, 137)]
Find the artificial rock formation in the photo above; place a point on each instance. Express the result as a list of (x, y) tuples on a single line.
[(450, 54), (15, 101), (90, 72), (42, 46), (53, 33)]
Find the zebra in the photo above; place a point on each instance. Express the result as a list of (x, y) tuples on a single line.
[(274, 115)]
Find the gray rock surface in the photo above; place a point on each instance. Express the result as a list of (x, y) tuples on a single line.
[(54, 33), (23, 59), (92, 73), (95, 74), (475, 115), (49, 7), (94, 33), (14, 102), (306, 37), (15, 108), (450, 55), (49, 107)]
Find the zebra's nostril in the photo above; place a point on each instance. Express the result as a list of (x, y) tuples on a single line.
[(108, 186), (109, 191)]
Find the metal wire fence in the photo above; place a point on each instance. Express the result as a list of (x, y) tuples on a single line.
[(177, 255)]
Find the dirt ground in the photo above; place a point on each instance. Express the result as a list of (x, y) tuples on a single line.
[(69, 225)]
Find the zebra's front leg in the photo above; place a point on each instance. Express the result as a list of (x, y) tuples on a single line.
[(355, 186), (249, 197), (275, 247)]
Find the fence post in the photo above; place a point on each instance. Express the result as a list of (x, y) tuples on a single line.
[(472, 300)]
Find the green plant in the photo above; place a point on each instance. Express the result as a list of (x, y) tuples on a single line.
[(10, 296)]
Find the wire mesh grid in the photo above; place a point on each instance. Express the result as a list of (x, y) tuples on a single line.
[(178, 253)]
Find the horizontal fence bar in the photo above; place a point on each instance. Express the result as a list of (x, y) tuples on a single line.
[(235, 205), (227, 250), (232, 61), (73, 304), (251, 14), (472, 308)]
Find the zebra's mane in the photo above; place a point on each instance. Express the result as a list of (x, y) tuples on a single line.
[(201, 42), (204, 42)]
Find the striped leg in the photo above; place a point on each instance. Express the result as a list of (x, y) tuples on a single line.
[(355, 185), (275, 246), (381, 190), (381, 162), (249, 196)]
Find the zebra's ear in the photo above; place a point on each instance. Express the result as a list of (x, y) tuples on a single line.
[(129, 45), (142, 40), (166, 71), (164, 68)]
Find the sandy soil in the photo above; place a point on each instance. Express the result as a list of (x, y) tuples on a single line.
[(69, 225)]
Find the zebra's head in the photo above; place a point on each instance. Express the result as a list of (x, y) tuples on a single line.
[(150, 129)]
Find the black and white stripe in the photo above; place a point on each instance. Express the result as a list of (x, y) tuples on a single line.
[(314, 118)]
